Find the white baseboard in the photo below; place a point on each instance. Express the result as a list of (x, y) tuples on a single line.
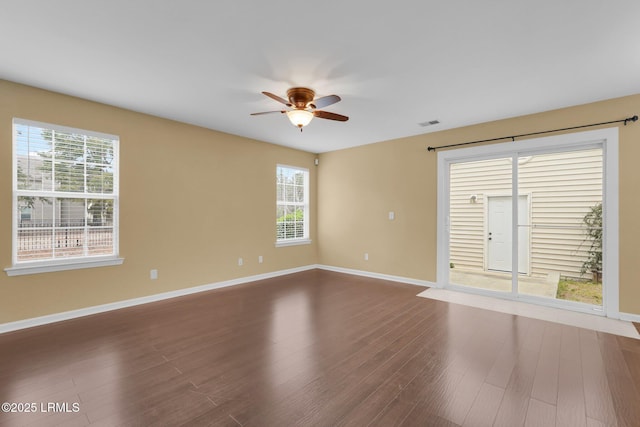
[(382, 276), (630, 317), (67, 315)]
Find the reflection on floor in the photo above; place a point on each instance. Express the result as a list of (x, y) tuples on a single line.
[(566, 317)]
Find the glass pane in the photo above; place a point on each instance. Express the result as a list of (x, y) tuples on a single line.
[(70, 212), (99, 212), (34, 244), (35, 231), (33, 149), (99, 179), (99, 151), (100, 240), (69, 147), (562, 228), (100, 227), (289, 193), (480, 245), (68, 232), (68, 176)]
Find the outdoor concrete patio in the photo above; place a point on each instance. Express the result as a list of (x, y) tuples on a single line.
[(544, 287)]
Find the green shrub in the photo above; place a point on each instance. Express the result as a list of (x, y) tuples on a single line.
[(593, 221)]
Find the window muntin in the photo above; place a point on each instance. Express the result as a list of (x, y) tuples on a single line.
[(292, 204), (65, 194)]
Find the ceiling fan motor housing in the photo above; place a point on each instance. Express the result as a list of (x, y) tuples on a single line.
[(301, 97)]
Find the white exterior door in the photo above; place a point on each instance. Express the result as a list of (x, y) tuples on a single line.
[(499, 223)]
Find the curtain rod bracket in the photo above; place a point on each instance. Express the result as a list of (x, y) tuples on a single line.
[(631, 119)]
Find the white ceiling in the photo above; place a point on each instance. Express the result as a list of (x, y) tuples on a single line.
[(394, 64)]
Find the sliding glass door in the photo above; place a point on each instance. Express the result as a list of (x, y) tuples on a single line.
[(526, 220)]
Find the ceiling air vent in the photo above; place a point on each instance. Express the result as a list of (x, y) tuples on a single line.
[(429, 123)]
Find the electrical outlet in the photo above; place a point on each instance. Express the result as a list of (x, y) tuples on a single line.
[(260, 259), (240, 261), (392, 215), (153, 274), (366, 256)]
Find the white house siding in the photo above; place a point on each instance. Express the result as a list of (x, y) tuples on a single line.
[(562, 188)]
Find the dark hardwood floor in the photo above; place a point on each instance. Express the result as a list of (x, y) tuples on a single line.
[(318, 348)]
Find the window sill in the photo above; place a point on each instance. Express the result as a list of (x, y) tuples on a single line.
[(292, 242), (48, 267)]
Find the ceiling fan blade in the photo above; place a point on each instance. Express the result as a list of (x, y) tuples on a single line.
[(330, 116), (267, 112), (325, 101), (277, 98)]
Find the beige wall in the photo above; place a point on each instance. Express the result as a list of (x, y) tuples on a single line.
[(358, 187), (192, 201), (194, 234)]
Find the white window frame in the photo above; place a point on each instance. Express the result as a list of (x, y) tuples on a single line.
[(71, 263), (305, 240), (607, 139)]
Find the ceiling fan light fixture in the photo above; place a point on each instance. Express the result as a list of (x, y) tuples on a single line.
[(300, 118)]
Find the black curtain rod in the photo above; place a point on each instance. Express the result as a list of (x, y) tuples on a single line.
[(513, 137)]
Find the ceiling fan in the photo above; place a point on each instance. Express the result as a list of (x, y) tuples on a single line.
[(304, 107)]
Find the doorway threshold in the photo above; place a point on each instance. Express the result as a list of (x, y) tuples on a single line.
[(550, 314)]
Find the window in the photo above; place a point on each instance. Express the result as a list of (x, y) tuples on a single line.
[(65, 198), (292, 205)]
